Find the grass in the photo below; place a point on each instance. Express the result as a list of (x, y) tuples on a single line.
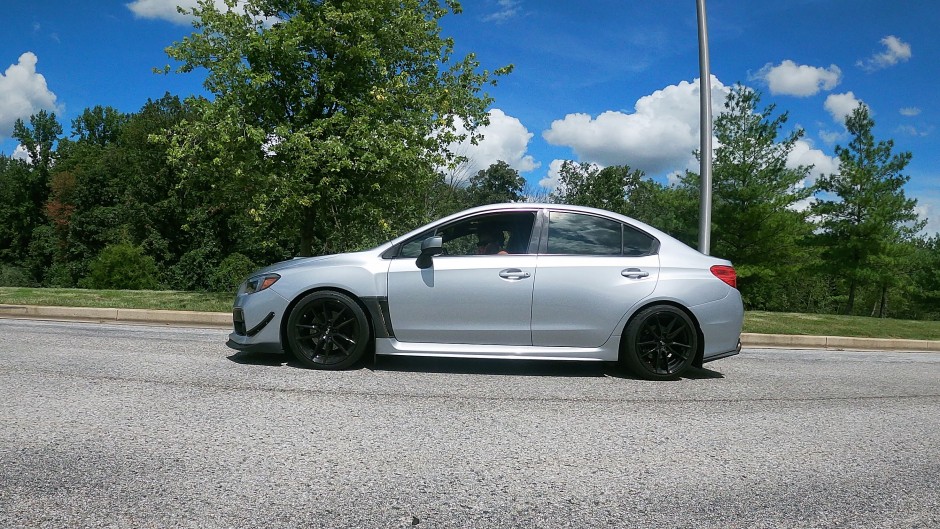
[(121, 299), (754, 321), (836, 325)]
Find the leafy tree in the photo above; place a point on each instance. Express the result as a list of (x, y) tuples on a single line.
[(756, 221), (39, 139), (496, 184), (99, 125), (626, 191), (18, 213), (328, 116), (868, 211)]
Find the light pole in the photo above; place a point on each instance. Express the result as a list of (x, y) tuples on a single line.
[(705, 132)]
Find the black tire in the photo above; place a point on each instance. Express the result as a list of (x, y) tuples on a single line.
[(660, 343), (327, 330)]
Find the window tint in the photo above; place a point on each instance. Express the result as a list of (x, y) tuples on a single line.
[(636, 243), (577, 234), (500, 233)]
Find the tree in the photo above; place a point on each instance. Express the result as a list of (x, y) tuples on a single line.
[(328, 116), (586, 184), (868, 211), (496, 184), (756, 221)]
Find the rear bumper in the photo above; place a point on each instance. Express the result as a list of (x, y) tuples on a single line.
[(726, 354)]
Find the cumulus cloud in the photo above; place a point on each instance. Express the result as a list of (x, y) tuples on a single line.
[(910, 111), (658, 137), (840, 106), (505, 138), (928, 207), (20, 153), (789, 78), (896, 51), (805, 154), (23, 92), (167, 9)]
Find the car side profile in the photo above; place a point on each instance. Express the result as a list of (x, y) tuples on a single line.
[(509, 281)]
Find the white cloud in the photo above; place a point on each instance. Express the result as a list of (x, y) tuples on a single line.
[(20, 153), (831, 138), (911, 130), (658, 137), (804, 153), (896, 51), (507, 9), (167, 9), (505, 138), (909, 111), (928, 207), (551, 180), (23, 92), (789, 78), (840, 106)]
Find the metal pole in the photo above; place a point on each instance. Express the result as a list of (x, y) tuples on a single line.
[(705, 131)]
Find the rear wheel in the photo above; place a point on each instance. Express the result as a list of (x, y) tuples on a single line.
[(327, 330), (661, 342)]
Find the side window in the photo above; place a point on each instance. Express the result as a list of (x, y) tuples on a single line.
[(636, 243), (500, 233), (578, 234)]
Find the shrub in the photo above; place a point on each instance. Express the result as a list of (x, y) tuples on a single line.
[(14, 276), (122, 267), (230, 273), (194, 269)]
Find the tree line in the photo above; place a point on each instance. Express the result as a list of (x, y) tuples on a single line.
[(328, 131)]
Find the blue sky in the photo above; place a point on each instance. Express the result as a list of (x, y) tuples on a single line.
[(608, 82)]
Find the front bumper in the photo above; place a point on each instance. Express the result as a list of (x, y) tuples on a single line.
[(256, 319)]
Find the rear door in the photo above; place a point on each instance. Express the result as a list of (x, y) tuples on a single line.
[(591, 270)]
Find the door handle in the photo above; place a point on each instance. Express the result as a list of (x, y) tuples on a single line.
[(513, 274), (634, 273)]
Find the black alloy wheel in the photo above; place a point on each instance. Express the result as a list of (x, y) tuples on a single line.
[(327, 330), (661, 343)]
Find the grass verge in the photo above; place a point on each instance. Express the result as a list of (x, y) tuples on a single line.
[(836, 325), (120, 299), (754, 321)]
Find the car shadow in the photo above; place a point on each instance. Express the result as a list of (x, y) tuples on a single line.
[(263, 359), (475, 366)]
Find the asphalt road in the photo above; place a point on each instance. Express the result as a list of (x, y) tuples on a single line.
[(132, 426)]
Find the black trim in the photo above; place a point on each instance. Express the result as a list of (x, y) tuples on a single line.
[(381, 320), (722, 355), (253, 347), (257, 328)]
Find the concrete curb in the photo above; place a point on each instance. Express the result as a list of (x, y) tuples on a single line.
[(224, 320), (99, 315), (794, 341)]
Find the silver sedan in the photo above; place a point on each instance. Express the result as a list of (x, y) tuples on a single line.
[(512, 281)]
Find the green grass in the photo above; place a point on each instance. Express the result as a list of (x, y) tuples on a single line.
[(754, 321), (121, 299), (835, 325)]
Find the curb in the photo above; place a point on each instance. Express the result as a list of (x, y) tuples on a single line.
[(224, 320), (795, 341), (138, 316)]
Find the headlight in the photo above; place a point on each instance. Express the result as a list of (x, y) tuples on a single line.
[(258, 283)]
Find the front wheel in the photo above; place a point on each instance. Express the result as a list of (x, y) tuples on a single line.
[(660, 343), (327, 330)]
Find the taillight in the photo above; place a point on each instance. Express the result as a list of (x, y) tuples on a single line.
[(726, 274)]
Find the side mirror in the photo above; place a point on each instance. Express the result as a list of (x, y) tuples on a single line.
[(432, 246), (429, 247)]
